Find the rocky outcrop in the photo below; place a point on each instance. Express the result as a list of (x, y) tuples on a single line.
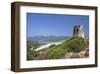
[(81, 54)]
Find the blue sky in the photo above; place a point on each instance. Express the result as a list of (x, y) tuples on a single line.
[(55, 24)]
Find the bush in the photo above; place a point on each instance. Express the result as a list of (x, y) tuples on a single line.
[(31, 54), (52, 45), (76, 44)]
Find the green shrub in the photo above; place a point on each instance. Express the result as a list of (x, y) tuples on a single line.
[(30, 54), (76, 44), (52, 45)]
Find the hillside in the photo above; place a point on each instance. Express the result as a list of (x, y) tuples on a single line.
[(73, 45)]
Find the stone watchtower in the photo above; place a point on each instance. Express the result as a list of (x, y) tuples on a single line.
[(78, 31)]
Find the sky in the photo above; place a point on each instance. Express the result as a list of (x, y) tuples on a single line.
[(40, 24)]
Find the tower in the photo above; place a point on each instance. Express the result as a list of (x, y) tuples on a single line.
[(78, 31)]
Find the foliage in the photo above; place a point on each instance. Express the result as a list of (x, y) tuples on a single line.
[(52, 45), (76, 44)]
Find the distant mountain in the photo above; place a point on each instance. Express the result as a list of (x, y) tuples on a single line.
[(47, 39)]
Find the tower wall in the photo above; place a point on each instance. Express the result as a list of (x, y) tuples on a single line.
[(78, 31)]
